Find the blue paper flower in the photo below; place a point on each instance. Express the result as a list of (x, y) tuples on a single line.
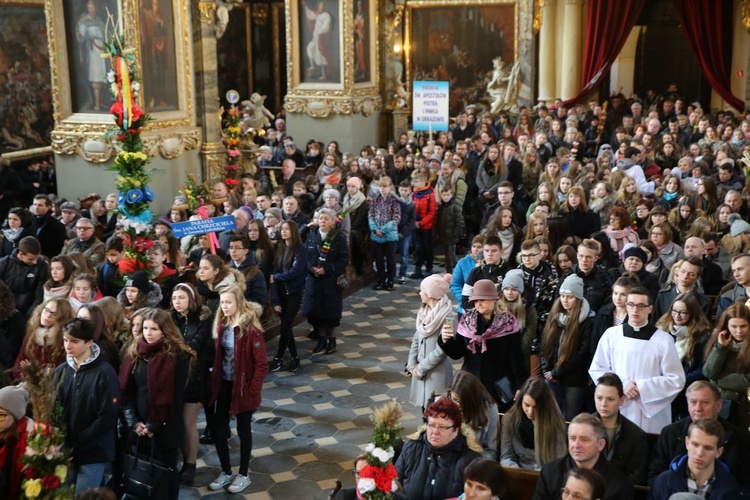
[(134, 196), (148, 194), (143, 217), (121, 198)]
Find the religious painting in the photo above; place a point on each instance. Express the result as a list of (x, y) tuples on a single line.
[(157, 32), (458, 43), (85, 29), (320, 25), (26, 119), (361, 33)]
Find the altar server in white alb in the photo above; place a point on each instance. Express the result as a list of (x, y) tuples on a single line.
[(646, 360)]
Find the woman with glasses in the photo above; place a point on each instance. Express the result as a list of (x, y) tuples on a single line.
[(583, 484), (619, 231), (43, 341), (669, 252), (691, 331), (431, 466)]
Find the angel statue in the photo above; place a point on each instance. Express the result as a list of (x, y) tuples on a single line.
[(254, 113), (401, 97), (501, 86)]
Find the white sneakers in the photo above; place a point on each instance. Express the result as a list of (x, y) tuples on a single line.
[(220, 482), (239, 483)]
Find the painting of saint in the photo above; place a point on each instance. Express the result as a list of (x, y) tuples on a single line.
[(320, 42), (158, 55), (85, 26), (361, 43), (25, 89)]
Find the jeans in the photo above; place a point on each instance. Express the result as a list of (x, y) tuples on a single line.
[(571, 400), (86, 477), (424, 253), (403, 245), (289, 308), (385, 260), (222, 433)]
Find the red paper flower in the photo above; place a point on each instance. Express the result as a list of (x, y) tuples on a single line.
[(116, 110), (231, 182), (130, 265), (51, 482), (29, 472), (137, 114), (384, 479), (143, 244)]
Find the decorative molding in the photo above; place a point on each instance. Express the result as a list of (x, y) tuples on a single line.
[(318, 107), (207, 12), (538, 15), (367, 105), (260, 14), (89, 142)]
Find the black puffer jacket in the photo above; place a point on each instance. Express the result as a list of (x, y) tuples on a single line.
[(597, 286), (26, 282), (434, 473), (89, 396), (540, 289), (196, 333)]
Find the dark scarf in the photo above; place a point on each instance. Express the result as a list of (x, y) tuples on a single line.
[(526, 432), (160, 376)]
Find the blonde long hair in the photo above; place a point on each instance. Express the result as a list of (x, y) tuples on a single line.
[(246, 316)]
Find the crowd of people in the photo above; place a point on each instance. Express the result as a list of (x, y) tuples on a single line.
[(598, 258)]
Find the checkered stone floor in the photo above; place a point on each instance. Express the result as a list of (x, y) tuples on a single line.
[(313, 423)]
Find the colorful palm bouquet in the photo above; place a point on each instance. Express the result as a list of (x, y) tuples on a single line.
[(46, 459), (231, 169), (377, 479), (133, 194)]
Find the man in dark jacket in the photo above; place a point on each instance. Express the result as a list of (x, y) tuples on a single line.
[(627, 445), (25, 272), (50, 232), (704, 401), (399, 172), (243, 260), (291, 211), (88, 392), (492, 268), (685, 280), (585, 445), (700, 471), (540, 281), (431, 466), (597, 283)]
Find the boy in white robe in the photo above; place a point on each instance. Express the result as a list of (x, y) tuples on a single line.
[(646, 360)]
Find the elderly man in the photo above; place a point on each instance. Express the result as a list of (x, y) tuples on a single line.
[(586, 442), (241, 218), (291, 211), (685, 280), (289, 176), (86, 243), (703, 401), (711, 277), (734, 200)]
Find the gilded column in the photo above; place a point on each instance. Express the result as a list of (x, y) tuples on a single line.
[(572, 43), (207, 87), (547, 52)]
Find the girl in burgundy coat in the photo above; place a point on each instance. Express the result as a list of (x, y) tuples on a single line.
[(240, 365)]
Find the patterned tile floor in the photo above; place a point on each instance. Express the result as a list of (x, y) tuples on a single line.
[(313, 423)]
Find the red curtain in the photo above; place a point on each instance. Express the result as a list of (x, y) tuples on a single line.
[(708, 28), (609, 25)]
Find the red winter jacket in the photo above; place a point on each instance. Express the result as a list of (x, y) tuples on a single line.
[(250, 368), (24, 428), (425, 206)]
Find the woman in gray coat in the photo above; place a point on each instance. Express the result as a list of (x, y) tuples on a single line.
[(430, 369)]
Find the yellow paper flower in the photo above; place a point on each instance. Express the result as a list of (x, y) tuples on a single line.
[(33, 488), (61, 471)]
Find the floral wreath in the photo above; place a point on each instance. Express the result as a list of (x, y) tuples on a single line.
[(232, 140), (133, 194), (377, 479)]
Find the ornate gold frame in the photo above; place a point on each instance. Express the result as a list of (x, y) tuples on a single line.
[(24, 154), (83, 133), (324, 99), (420, 4)]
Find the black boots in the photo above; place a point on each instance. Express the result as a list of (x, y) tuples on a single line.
[(321, 345), (187, 474), (379, 286), (331, 345)]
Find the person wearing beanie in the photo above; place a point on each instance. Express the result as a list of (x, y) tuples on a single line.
[(489, 341), (139, 292), (15, 428), (88, 392), (70, 213), (430, 369), (645, 358), (634, 260), (513, 301), (272, 221), (565, 350)]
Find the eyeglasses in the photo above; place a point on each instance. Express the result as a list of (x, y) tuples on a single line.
[(640, 307), (681, 314), (654, 233), (51, 313), (566, 493), (529, 255), (439, 428), (84, 228)]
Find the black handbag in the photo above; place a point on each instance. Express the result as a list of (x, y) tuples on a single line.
[(504, 390), (142, 473)]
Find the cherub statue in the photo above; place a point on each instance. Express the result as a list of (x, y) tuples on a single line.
[(401, 96), (255, 114), (222, 16), (501, 85)]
